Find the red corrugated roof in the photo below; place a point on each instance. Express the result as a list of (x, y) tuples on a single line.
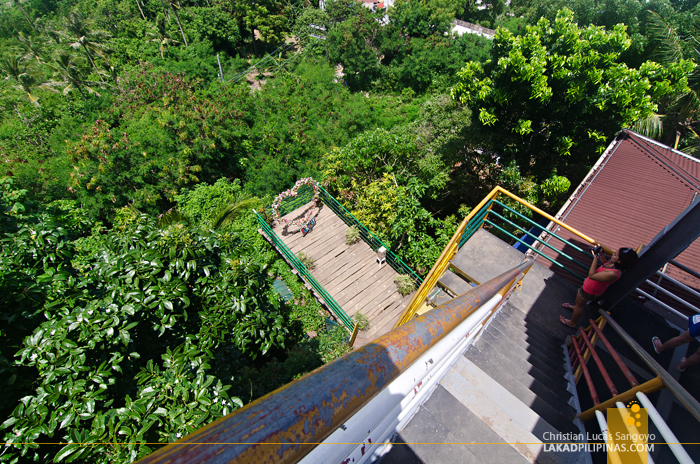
[(639, 187)]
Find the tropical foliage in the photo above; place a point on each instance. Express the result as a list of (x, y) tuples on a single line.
[(137, 137), (552, 98)]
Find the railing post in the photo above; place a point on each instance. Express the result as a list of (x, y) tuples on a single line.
[(685, 398), (440, 265)]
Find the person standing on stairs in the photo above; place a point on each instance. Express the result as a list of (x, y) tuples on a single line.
[(686, 337), (599, 279)]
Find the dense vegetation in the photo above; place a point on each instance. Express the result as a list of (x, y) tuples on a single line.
[(137, 299)]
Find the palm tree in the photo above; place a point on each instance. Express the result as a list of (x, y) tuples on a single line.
[(140, 10), (19, 70), (18, 4), (171, 217), (235, 209), (32, 46), (679, 116), (78, 29), (161, 35), (73, 72)]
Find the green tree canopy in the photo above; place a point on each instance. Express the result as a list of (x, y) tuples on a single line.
[(552, 99), (123, 335), (354, 44), (422, 18)]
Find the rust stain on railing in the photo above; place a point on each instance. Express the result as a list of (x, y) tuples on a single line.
[(283, 426)]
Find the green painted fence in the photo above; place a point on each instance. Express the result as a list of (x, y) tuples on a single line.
[(299, 266), (487, 214)]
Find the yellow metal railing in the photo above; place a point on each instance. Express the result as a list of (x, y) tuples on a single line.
[(452, 247)]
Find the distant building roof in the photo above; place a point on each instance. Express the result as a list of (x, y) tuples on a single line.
[(637, 187), (460, 27)]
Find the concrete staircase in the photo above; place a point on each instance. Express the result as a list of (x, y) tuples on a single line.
[(512, 391)]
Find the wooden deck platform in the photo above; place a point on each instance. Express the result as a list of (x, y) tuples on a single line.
[(349, 273)]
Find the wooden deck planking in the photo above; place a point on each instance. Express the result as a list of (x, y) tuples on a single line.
[(353, 254), (362, 285), (349, 273), (339, 274), (318, 240)]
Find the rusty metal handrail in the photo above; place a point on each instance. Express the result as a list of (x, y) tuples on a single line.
[(613, 353), (678, 391), (587, 354), (606, 377), (285, 425), (589, 381)]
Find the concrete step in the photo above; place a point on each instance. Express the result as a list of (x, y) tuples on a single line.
[(512, 420), (535, 340), (542, 369), (445, 431), (526, 321), (551, 347), (485, 256), (555, 395), (520, 391), (535, 349), (529, 324), (454, 283)]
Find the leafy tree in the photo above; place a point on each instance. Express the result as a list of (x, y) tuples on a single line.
[(309, 17), (422, 18), (552, 98), (341, 10), (265, 16), (158, 305), (353, 44), (165, 136), (678, 116), (428, 63)]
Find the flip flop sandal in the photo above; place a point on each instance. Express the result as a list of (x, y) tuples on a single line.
[(563, 321), (679, 369), (653, 342), (567, 306)]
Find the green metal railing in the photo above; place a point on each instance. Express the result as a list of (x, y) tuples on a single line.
[(486, 215), (369, 238), (305, 195), (299, 266)]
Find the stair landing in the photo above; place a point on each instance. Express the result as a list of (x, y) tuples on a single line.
[(510, 392)]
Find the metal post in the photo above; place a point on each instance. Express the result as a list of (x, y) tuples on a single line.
[(667, 244), (606, 377), (589, 381), (221, 73)]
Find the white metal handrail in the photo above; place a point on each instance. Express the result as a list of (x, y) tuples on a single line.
[(633, 432), (613, 455), (671, 440), (661, 303), (680, 284), (394, 406), (671, 294), (675, 297)]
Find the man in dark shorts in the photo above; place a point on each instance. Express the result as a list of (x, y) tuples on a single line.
[(693, 332)]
